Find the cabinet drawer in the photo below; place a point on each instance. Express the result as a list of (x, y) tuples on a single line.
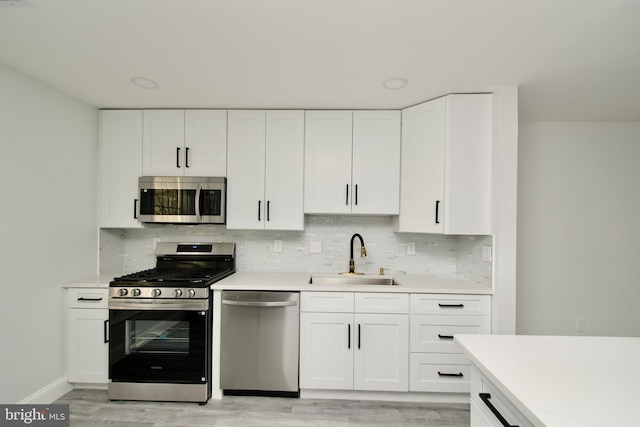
[(87, 298), (448, 373), (369, 302), (473, 305), (434, 334), (493, 397), (329, 302)]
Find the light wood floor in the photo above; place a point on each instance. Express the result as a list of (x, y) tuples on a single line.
[(92, 408)]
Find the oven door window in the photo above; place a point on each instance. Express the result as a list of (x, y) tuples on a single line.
[(158, 346)]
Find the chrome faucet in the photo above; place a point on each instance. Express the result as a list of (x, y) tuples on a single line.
[(363, 252)]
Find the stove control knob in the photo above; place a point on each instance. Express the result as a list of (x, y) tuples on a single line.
[(178, 293), (123, 292), (156, 292), (192, 293), (135, 292)]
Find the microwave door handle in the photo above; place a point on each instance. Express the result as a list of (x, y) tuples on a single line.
[(198, 195)]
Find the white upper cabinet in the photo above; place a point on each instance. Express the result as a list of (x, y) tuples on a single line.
[(376, 162), (265, 175), (185, 143), (352, 162), (120, 167), (446, 166)]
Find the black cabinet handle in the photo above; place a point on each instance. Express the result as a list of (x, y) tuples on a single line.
[(445, 337), (268, 210), (445, 374), (186, 157), (135, 208), (437, 208), (177, 157), (451, 305), (89, 299), (359, 335), (349, 336), (356, 194), (106, 331), (346, 201), (259, 209), (485, 398)]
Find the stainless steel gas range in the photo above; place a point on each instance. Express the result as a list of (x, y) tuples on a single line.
[(160, 323)]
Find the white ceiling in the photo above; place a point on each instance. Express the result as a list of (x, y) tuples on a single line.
[(572, 59)]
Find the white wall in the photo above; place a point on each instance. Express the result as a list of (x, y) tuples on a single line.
[(579, 228), (48, 225)]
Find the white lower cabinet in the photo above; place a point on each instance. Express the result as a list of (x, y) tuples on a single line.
[(87, 342), (436, 362), (346, 346), (490, 408)]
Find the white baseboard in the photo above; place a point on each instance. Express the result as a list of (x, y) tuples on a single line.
[(48, 393), (386, 396)]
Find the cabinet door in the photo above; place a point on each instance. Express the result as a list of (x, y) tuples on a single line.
[(422, 168), (120, 167), (381, 352), (87, 346), (468, 165), (205, 145), (284, 185), (327, 161), (326, 351), (376, 162), (163, 143), (246, 170)]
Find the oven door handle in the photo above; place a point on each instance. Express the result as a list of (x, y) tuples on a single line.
[(202, 305), (260, 303)]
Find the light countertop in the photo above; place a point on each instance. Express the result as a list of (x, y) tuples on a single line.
[(99, 281), (563, 381), (417, 283), (286, 281)]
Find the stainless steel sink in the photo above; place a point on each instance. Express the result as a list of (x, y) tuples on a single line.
[(352, 279)]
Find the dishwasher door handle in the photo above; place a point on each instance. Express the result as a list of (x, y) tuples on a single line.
[(260, 303)]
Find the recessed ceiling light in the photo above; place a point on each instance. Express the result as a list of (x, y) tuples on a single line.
[(144, 82), (395, 83)]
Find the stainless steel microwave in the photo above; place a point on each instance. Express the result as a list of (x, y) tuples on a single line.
[(182, 199)]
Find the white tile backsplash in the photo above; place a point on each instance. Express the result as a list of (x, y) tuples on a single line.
[(132, 249)]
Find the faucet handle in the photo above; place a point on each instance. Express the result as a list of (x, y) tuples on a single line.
[(382, 269)]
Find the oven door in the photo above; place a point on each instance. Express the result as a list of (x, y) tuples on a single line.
[(159, 345)]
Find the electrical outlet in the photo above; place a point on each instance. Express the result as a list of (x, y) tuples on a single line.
[(411, 248), (277, 246), (486, 253), (315, 247), (581, 325)]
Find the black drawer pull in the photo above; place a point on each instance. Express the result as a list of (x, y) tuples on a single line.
[(106, 331), (451, 305), (485, 398), (444, 374), (445, 337), (89, 299), (437, 209)]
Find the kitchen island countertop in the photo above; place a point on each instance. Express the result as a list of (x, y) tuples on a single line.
[(559, 381)]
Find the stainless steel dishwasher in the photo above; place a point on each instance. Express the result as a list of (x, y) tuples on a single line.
[(259, 343)]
